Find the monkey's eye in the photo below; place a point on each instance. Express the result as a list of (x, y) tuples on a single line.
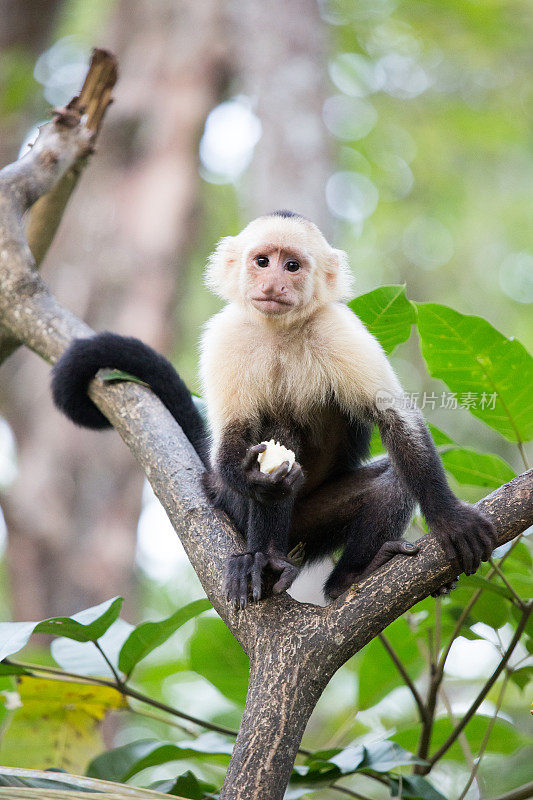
[(261, 261), (292, 266)]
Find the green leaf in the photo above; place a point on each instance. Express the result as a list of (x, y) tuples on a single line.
[(84, 658), (414, 787), (439, 437), (123, 762), (149, 635), (12, 669), (186, 785), (522, 676), (86, 626), (477, 469), (216, 654), (481, 366), (478, 582), (505, 737), (374, 660), (115, 375), (387, 313), (386, 755)]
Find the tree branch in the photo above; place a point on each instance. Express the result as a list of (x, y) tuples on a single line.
[(294, 648), (86, 111)]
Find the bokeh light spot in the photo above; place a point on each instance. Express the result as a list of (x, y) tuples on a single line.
[(349, 118), (230, 135), (428, 243), (351, 196), (516, 277)]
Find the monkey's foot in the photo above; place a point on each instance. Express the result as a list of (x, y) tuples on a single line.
[(247, 571), (341, 579)]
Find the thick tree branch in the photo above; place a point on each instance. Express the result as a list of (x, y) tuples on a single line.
[(83, 116), (294, 648)]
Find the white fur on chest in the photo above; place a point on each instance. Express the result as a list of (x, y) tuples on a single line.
[(249, 368)]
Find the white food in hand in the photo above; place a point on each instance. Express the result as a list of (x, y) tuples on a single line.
[(274, 455)]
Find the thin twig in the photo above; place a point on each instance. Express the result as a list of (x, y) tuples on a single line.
[(515, 594), (405, 675), (118, 680)]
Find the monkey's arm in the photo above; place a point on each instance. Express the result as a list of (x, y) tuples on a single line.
[(270, 501), (463, 531)]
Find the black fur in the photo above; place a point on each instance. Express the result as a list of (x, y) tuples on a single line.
[(80, 363), (285, 213), (327, 501)]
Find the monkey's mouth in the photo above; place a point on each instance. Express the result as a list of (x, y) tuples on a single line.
[(269, 305)]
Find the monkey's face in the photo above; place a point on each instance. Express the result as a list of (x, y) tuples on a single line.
[(280, 267), (277, 279)]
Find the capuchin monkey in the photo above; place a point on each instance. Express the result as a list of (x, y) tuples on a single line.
[(287, 360)]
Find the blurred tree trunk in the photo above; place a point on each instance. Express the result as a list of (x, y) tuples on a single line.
[(117, 261), (283, 49)]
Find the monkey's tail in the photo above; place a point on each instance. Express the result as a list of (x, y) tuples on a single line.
[(80, 363)]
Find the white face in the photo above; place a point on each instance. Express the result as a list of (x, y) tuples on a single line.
[(278, 278)]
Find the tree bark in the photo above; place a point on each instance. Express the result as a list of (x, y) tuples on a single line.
[(294, 648)]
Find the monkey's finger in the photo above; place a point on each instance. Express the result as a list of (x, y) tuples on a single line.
[(256, 575), (489, 540), (464, 553), (251, 455), (280, 472), (294, 474), (243, 580)]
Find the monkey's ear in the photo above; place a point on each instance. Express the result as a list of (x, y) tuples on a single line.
[(223, 268), (338, 275)]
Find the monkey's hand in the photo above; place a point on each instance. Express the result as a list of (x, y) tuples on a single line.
[(280, 484), (247, 570), (466, 536)]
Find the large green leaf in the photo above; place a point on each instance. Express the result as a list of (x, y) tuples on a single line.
[(505, 737), (86, 626), (123, 762), (490, 374), (216, 654), (471, 468), (149, 635), (387, 313)]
